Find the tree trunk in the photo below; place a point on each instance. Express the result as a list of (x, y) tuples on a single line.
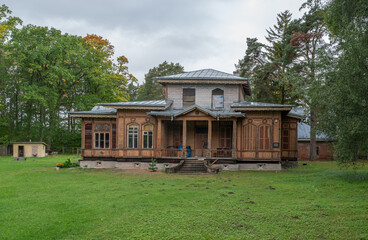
[(312, 143)]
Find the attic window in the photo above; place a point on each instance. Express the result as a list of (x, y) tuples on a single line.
[(217, 98), (188, 97)]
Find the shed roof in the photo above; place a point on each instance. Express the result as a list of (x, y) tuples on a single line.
[(304, 134), (29, 143)]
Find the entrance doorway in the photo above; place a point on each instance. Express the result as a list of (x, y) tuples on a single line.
[(20, 151), (201, 139)]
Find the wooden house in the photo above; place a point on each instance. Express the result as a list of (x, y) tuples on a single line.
[(205, 116)]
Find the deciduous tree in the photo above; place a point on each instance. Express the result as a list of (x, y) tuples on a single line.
[(150, 89)]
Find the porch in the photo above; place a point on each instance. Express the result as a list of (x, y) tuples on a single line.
[(192, 138)]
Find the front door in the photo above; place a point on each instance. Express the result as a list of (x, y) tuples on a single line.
[(20, 151), (201, 143)]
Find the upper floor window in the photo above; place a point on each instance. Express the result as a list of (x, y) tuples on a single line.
[(188, 97), (217, 98), (148, 136), (133, 136)]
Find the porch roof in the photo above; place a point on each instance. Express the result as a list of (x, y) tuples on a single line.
[(179, 112)]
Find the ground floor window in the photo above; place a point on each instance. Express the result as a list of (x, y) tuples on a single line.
[(250, 137), (148, 136), (264, 137), (102, 140), (133, 136)]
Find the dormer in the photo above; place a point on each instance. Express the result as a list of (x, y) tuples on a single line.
[(207, 88)]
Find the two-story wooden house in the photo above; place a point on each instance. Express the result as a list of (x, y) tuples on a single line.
[(204, 116)]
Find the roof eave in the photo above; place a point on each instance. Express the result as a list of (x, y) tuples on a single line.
[(261, 108), (204, 81), (89, 115)]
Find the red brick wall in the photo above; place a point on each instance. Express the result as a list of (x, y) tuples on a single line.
[(325, 151)]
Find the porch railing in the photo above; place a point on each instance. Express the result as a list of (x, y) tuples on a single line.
[(223, 153), (207, 153), (173, 152)]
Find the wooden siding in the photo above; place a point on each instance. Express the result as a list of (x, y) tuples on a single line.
[(203, 95), (243, 135), (289, 138)]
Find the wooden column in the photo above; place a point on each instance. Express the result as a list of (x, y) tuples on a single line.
[(159, 134), (83, 134), (184, 134), (234, 138), (209, 141)]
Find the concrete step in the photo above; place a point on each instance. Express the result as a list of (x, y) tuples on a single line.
[(185, 171), (193, 166), (192, 169)]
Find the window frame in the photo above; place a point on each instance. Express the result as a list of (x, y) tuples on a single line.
[(218, 92), (106, 140), (149, 134), (263, 138), (250, 137), (134, 134), (187, 103)]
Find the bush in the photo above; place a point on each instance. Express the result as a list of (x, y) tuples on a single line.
[(68, 164)]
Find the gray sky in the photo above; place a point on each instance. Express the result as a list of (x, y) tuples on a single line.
[(195, 33)]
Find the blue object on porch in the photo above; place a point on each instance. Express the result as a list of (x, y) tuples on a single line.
[(180, 147), (189, 151)]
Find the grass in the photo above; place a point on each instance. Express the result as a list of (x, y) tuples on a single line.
[(317, 201)]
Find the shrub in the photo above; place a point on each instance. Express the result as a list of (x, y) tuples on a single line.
[(68, 164), (152, 165)]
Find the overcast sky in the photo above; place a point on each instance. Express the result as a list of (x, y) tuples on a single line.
[(197, 34)]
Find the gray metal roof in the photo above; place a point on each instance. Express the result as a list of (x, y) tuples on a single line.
[(215, 114), (304, 133), (152, 103), (205, 74), (97, 110), (296, 113), (29, 143), (246, 104)]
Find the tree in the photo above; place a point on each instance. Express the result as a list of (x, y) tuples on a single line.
[(50, 74), (342, 110), (150, 89), (308, 37), (270, 65), (7, 25)]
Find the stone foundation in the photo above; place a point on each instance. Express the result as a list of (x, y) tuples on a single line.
[(123, 165), (161, 166), (248, 166)]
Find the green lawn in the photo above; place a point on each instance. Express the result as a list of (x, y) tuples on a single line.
[(317, 201)]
